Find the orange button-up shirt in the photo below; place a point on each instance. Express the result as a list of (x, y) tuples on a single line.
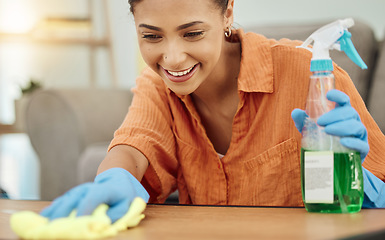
[(262, 164)]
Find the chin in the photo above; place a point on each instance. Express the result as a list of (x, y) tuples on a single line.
[(184, 88), (181, 91)]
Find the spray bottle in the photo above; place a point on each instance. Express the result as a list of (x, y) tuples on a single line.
[(331, 174)]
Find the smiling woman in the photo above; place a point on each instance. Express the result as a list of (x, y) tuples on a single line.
[(210, 116)]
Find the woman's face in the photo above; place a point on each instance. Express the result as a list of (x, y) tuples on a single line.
[(181, 40)]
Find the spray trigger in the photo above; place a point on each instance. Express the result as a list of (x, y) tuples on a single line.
[(347, 46)]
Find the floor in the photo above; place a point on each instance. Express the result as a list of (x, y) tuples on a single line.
[(19, 167)]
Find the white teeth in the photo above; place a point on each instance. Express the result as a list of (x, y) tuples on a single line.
[(181, 73)]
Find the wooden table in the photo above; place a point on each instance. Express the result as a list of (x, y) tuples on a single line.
[(210, 222)]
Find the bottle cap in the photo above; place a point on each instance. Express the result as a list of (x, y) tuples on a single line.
[(321, 65)]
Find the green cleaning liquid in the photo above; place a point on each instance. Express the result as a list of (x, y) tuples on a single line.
[(343, 176)]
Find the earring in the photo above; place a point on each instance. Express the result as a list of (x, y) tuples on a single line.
[(228, 32)]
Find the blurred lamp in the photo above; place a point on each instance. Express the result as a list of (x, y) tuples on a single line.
[(16, 16)]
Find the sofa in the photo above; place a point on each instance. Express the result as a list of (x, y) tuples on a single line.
[(70, 129)]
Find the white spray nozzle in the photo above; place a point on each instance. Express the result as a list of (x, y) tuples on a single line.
[(333, 36)]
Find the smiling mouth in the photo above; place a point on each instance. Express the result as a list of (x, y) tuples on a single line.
[(180, 73), (181, 76)]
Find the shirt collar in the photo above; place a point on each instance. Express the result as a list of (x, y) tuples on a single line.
[(256, 70)]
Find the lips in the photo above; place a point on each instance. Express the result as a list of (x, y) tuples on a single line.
[(180, 73), (181, 76)]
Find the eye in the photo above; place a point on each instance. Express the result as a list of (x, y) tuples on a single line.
[(194, 35), (151, 37)]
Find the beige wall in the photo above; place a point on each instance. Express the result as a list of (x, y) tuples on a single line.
[(273, 12)]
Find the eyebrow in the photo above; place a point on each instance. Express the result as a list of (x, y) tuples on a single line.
[(150, 27), (187, 25), (181, 27)]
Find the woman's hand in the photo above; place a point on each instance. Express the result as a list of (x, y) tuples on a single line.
[(115, 187), (343, 121)]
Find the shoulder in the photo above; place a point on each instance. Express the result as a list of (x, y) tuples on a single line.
[(278, 48), (264, 58)]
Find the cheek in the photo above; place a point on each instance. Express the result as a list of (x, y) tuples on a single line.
[(150, 55), (209, 51)]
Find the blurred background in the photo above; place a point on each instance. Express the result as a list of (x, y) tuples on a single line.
[(82, 44)]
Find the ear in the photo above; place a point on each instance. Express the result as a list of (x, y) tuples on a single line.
[(229, 14)]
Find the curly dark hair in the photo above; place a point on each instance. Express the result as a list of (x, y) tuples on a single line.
[(222, 4)]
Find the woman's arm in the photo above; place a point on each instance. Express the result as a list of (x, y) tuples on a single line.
[(126, 157)]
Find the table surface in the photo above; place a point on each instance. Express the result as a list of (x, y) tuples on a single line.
[(212, 222)]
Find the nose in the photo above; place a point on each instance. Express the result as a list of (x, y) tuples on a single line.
[(174, 55)]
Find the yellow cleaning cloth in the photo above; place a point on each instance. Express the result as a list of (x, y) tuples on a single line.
[(30, 225)]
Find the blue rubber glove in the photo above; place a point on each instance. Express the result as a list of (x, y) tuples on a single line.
[(374, 189), (115, 187), (343, 121), (298, 116)]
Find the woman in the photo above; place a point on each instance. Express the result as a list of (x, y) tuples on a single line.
[(211, 117)]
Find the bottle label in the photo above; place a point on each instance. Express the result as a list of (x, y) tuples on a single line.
[(319, 176)]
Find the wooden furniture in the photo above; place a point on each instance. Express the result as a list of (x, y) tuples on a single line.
[(211, 222), (7, 128)]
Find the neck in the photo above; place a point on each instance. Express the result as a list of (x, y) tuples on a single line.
[(221, 87)]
